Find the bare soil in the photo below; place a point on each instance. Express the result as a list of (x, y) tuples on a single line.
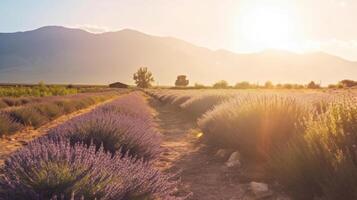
[(202, 174)]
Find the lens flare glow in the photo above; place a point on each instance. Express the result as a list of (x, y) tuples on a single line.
[(269, 27)]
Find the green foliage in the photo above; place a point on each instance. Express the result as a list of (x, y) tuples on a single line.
[(49, 110), (335, 86), (37, 114), (143, 78), (289, 86), (40, 90), (221, 84), (29, 117), (243, 85), (181, 81), (313, 85), (348, 83), (269, 85), (8, 125), (199, 86)]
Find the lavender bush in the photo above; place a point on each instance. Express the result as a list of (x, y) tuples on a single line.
[(113, 131), (255, 124), (199, 105), (29, 116), (125, 124), (3, 104), (46, 169), (132, 104), (323, 162), (8, 125), (49, 108)]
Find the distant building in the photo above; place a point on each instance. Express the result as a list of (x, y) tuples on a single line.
[(118, 85)]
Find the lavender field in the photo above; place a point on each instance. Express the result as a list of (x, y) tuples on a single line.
[(163, 144), (105, 154), (303, 141)]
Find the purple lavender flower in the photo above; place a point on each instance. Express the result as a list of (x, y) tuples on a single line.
[(113, 131), (125, 124), (55, 169)]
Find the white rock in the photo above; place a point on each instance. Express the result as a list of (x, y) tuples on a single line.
[(234, 160), (260, 190), (221, 153)]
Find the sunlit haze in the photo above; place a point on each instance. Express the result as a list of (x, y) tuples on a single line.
[(235, 25)]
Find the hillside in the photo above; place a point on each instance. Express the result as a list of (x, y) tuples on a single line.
[(62, 55)]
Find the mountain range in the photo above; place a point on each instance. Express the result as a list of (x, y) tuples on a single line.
[(57, 54)]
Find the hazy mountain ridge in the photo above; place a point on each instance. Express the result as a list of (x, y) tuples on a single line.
[(62, 55)]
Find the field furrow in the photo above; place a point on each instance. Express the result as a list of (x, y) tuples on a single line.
[(12, 143)]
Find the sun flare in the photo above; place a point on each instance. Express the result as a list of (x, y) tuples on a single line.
[(269, 27)]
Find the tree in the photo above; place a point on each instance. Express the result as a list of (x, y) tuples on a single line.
[(143, 78), (288, 86), (181, 81), (221, 84), (269, 85), (313, 85), (348, 83), (243, 85)]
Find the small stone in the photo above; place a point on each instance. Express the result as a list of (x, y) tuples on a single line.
[(234, 160), (221, 153), (260, 190)]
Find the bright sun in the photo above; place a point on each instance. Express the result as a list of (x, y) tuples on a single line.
[(269, 27)]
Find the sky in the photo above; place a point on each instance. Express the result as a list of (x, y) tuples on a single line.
[(241, 26)]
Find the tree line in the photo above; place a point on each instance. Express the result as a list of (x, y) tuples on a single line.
[(144, 78)]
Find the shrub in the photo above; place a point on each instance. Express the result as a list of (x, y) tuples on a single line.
[(36, 114), (221, 84), (3, 104), (323, 162), (115, 132), (29, 117), (244, 85), (313, 85), (11, 101), (45, 169), (254, 125), (8, 125), (200, 104), (40, 90), (66, 105), (49, 110)]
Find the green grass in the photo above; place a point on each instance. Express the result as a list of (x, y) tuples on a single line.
[(36, 91)]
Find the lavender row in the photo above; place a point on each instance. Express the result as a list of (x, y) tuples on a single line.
[(125, 124), (306, 141), (39, 113), (105, 154)]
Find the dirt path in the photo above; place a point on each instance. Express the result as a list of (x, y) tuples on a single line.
[(201, 173), (16, 141)]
